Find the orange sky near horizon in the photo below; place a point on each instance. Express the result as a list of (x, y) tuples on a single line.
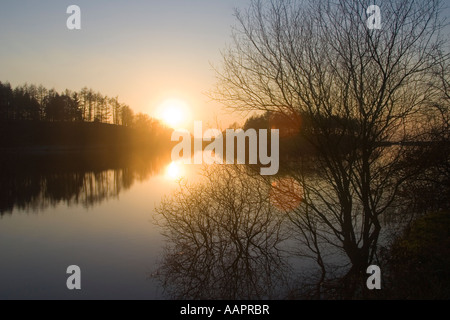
[(145, 52)]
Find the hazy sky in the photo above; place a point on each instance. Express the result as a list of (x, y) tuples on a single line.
[(144, 51)]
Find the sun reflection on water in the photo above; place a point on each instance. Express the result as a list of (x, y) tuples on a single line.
[(175, 171)]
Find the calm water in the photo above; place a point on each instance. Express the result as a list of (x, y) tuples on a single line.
[(96, 212)]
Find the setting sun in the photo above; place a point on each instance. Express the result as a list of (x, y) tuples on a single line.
[(174, 112)]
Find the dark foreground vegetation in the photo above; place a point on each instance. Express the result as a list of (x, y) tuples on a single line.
[(417, 262)]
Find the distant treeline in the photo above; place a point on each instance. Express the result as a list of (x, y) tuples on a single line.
[(298, 132), (33, 116), (31, 102)]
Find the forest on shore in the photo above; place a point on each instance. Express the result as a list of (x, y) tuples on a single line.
[(47, 120)]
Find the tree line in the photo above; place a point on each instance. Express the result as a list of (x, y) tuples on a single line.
[(31, 102)]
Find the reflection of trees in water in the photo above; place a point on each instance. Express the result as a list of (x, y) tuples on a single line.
[(365, 97), (223, 239), (35, 183)]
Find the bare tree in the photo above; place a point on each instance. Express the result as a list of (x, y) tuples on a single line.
[(430, 190), (126, 115), (224, 239), (116, 109), (359, 88), (440, 119)]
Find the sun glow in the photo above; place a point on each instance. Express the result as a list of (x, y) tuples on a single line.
[(174, 171), (174, 113)]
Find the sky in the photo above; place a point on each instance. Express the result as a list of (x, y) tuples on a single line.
[(144, 51)]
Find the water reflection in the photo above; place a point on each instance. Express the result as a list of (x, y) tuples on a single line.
[(175, 171), (34, 183), (223, 239), (286, 194)]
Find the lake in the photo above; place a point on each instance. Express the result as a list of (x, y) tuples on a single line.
[(226, 239), (93, 211)]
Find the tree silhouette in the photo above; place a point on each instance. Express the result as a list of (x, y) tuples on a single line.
[(361, 89), (224, 239), (29, 102)]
